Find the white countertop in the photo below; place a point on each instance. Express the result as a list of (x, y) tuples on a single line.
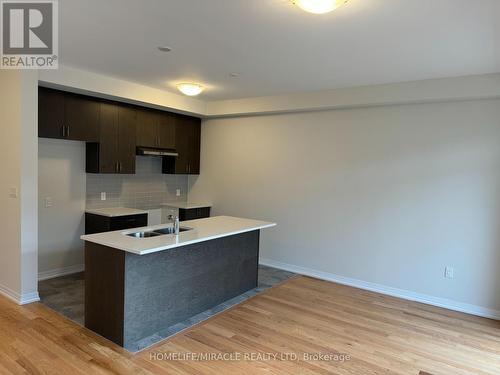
[(203, 230), (186, 205), (115, 211)]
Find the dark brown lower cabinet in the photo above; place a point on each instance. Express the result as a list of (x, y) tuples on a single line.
[(98, 223), (193, 213)]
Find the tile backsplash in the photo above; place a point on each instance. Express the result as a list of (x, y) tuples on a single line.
[(147, 189)]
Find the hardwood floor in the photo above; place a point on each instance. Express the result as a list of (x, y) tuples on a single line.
[(378, 335)]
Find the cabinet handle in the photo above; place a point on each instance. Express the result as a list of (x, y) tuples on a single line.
[(120, 164), (67, 131), (63, 131)]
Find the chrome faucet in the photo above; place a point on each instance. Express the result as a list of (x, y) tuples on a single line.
[(175, 220)]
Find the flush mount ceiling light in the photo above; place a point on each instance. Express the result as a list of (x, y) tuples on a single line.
[(164, 48), (319, 6), (190, 89)]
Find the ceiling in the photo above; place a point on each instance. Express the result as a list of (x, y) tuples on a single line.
[(275, 47)]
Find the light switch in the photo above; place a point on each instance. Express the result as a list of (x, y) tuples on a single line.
[(449, 272), (13, 192), (178, 192), (48, 202), (103, 196)]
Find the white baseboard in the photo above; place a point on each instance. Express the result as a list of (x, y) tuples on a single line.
[(379, 288), (29, 298), (45, 275), (20, 299)]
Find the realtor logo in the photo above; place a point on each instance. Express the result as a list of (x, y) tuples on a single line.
[(29, 34)]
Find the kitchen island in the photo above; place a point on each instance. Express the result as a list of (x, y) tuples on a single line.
[(140, 281)]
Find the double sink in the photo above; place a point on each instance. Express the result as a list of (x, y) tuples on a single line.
[(157, 232)]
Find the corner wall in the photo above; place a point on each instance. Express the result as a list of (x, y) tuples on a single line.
[(62, 178), (381, 198), (18, 185)]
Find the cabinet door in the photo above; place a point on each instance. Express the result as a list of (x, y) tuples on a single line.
[(81, 116), (50, 113), (147, 128), (166, 130), (127, 118), (128, 222), (194, 145), (194, 213), (108, 138), (188, 145), (182, 145)]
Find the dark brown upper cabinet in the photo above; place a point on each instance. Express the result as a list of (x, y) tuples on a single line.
[(67, 116), (187, 140), (50, 113), (155, 129), (113, 130), (115, 150)]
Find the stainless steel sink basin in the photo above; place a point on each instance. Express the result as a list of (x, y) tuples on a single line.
[(157, 232), (170, 230), (144, 234)]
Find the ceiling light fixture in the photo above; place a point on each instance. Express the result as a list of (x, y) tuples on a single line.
[(319, 6), (190, 89), (164, 49)]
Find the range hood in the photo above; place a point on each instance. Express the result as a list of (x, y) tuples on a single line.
[(147, 151)]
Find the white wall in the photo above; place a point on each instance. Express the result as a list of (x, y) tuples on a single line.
[(384, 196), (29, 186), (10, 214), (61, 177), (485, 86), (18, 185), (82, 81)]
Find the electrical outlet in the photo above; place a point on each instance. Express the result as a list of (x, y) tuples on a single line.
[(48, 202), (103, 196), (178, 192), (449, 272)]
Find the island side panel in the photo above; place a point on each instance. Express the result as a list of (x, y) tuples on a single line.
[(104, 291), (167, 287)]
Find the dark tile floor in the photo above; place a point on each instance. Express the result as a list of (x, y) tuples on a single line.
[(66, 296)]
